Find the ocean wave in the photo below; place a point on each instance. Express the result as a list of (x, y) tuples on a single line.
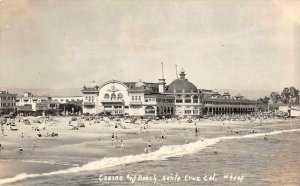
[(163, 153), (51, 162)]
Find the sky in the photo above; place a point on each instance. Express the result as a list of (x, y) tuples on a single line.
[(232, 44)]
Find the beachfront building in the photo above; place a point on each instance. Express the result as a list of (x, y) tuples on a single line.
[(291, 110), (187, 98), (29, 104), (66, 99), (126, 98), (180, 98), (216, 103), (69, 104), (7, 102)]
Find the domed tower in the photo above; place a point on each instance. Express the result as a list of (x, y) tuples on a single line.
[(182, 85), (90, 98), (140, 85), (226, 94)]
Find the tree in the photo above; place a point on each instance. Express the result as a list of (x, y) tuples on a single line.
[(264, 100), (285, 95), (294, 95), (290, 95), (275, 97)]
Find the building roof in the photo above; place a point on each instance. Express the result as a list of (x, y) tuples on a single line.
[(181, 85)]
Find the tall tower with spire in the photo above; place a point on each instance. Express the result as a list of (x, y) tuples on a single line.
[(162, 80)]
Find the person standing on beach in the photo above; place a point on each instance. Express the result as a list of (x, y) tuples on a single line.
[(196, 131), (122, 144), (22, 135), (2, 129), (113, 138), (149, 146)]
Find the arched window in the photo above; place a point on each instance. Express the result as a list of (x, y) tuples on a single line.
[(195, 99), (120, 96), (106, 96), (113, 96)]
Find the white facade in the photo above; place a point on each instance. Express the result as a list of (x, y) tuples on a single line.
[(131, 98), (113, 97), (294, 113), (30, 99), (65, 99)]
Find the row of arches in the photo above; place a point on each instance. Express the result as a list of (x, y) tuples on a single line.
[(227, 110), (113, 96), (187, 99)]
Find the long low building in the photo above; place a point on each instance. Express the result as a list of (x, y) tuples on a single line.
[(179, 98)]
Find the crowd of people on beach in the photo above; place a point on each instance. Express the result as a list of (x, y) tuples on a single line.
[(118, 123)]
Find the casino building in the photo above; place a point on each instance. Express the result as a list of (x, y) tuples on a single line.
[(179, 98), (127, 98)]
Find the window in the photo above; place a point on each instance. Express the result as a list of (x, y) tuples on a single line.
[(120, 96), (106, 96), (178, 100), (187, 99), (139, 98), (195, 99), (187, 112), (149, 110), (113, 96), (132, 98)]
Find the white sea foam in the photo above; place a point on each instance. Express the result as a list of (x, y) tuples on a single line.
[(163, 153), (50, 162)]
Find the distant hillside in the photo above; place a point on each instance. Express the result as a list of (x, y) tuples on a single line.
[(47, 91)]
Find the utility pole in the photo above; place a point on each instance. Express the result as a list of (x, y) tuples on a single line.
[(176, 72)]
